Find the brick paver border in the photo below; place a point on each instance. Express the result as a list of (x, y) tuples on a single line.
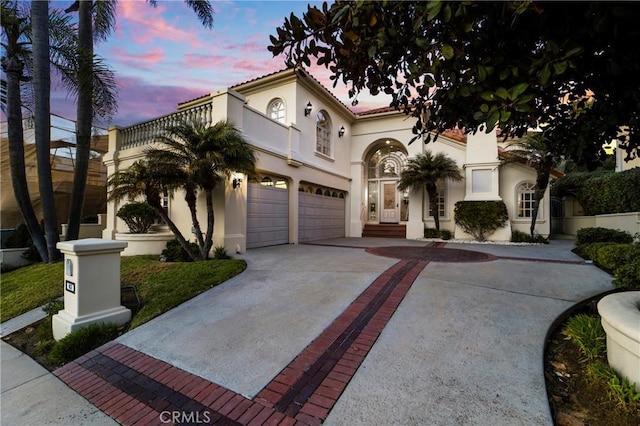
[(137, 389)]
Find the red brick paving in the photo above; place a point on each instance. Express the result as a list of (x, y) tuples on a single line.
[(136, 389)]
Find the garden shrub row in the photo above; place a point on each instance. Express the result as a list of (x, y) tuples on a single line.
[(602, 193), (613, 251), (480, 218)]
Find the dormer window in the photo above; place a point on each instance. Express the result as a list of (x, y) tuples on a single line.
[(323, 133), (276, 110)]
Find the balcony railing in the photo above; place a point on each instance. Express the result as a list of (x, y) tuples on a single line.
[(145, 133)]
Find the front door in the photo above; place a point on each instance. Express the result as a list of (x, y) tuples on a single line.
[(389, 193)]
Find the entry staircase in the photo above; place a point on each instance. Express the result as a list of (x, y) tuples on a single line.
[(385, 230)]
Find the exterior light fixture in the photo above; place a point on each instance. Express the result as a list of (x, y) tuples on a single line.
[(341, 132), (307, 109), (237, 180)]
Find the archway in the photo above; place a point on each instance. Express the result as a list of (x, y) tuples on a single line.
[(385, 160)]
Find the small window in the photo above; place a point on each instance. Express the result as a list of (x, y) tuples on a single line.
[(281, 183), (334, 194), (341, 195), (318, 191), (276, 110), (440, 201), (309, 190), (266, 181), (525, 198), (323, 133), (327, 193)]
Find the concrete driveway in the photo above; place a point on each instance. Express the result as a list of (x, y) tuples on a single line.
[(336, 334)]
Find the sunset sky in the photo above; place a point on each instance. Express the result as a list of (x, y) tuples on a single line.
[(163, 55)]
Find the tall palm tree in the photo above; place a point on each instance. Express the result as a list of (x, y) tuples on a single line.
[(15, 28), (95, 22), (42, 121), (424, 171), (149, 181), (206, 155), (536, 151)]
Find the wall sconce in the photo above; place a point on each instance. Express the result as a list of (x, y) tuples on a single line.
[(341, 132), (237, 180), (307, 109)]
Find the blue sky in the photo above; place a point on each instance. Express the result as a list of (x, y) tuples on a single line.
[(163, 55)]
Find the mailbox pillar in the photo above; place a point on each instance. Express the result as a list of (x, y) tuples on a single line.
[(91, 285)]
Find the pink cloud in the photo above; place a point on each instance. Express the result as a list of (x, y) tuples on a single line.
[(148, 24), (145, 61)]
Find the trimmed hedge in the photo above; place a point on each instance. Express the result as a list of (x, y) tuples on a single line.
[(602, 193), (628, 275), (613, 256), (600, 235), (138, 216), (480, 218), (81, 341)]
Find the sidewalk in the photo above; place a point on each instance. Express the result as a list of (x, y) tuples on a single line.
[(397, 341)]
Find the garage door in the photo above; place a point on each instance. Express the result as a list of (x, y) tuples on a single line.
[(267, 215), (321, 216)]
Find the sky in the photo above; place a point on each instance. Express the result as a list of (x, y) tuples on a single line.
[(163, 55)]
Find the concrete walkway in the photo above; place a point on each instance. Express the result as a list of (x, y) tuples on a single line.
[(388, 341)]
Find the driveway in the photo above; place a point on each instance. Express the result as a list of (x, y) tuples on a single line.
[(338, 334)]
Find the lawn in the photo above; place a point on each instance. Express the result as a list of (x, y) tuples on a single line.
[(160, 285)]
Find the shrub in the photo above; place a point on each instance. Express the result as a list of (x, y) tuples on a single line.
[(480, 218), (19, 238), (220, 253), (175, 253), (431, 233), (627, 275), (587, 333), (613, 256), (138, 216), (90, 219), (445, 234), (590, 251), (599, 235), (81, 341), (523, 237)]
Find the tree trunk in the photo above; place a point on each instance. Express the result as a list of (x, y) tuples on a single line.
[(13, 68), (84, 117), (208, 241), (154, 201), (432, 192), (191, 199), (542, 182), (42, 118)]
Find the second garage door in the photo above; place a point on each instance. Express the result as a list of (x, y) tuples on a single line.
[(321, 215)]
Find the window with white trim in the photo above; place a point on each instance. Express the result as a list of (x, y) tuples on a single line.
[(276, 110), (323, 133), (525, 199)]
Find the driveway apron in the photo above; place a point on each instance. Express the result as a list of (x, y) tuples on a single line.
[(404, 332)]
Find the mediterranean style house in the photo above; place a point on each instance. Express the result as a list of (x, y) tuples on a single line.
[(326, 171)]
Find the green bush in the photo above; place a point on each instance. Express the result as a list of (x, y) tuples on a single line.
[(602, 235), (175, 253), (93, 218), (602, 193), (445, 234), (480, 218), (612, 256), (523, 237), (587, 333), (220, 253), (431, 233), (139, 217), (81, 341), (590, 251), (627, 275), (21, 238)]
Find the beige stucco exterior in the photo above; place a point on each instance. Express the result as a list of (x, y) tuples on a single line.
[(287, 150)]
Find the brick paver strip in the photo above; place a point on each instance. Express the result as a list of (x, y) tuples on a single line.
[(135, 388)]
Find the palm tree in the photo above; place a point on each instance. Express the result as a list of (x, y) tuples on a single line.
[(536, 151), (424, 171), (95, 22), (206, 155), (149, 181)]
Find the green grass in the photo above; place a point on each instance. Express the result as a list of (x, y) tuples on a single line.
[(161, 285)]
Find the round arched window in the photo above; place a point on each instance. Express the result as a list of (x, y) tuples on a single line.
[(276, 110)]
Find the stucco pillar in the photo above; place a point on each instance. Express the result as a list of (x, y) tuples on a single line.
[(357, 205), (111, 161), (415, 225), (91, 285)]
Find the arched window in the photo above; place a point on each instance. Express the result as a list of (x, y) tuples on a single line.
[(525, 199), (323, 133), (266, 181), (276, 110), (318, 191)]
